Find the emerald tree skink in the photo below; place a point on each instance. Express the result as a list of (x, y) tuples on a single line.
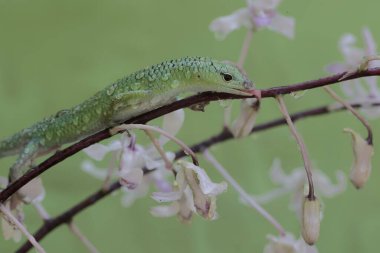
[(130, 96)]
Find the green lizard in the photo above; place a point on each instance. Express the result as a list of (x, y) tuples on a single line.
[(130, 96)]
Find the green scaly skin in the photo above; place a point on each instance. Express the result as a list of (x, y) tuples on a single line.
[(130, 96)]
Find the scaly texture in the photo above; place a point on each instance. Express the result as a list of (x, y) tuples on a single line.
[(135, 94)]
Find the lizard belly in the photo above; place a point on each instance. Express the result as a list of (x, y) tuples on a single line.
[(153, 102)]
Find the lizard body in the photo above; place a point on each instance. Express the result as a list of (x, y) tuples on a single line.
[(130, 96)]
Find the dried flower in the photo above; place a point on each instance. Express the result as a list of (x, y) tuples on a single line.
[(257, 15), (9, 231), (311, 219), (194, 192), (363, 152)]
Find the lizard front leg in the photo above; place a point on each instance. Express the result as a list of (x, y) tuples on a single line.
[(24, 160)]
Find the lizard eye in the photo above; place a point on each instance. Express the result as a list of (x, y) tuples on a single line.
[(227, 77)]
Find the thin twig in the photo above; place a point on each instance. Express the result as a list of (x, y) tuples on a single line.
[(301, 144), (75, 230), (180, 143), (243, 194), (143, 118), (225, 135), (353, 111), (14, 222), (245, 48), (159, 149)]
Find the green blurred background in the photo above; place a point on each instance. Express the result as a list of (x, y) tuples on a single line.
[(55, 54)]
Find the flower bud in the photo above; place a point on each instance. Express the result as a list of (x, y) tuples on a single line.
[(311, 219), (361, 168)]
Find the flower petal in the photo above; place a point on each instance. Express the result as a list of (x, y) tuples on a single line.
[(371, 47), (205, 183), (284, 25), (33, 191), (166, 210), (130, 196), (131, 179), (326, 187), (290, 182), (186, 206), (222, 26), (90, 168), (98, 151), (166, 196), (172, 124)]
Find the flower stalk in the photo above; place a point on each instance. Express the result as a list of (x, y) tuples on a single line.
[(353, 111), (243, 194), (301, 144)]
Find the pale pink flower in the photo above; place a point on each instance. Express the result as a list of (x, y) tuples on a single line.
[(363, 90), (158, 178), (257, 15), (295, 183), (131, 158)]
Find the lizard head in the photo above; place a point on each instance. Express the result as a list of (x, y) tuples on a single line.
[(228, 78)]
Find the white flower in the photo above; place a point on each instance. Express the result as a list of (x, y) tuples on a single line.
[(287, 244), (132, 158), (363, 90), (294, 183), (194, 192), (157, 178), (258, 14)]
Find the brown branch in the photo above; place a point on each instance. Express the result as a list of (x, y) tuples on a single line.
[(224, 135), (203, 97), (67, 216)]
